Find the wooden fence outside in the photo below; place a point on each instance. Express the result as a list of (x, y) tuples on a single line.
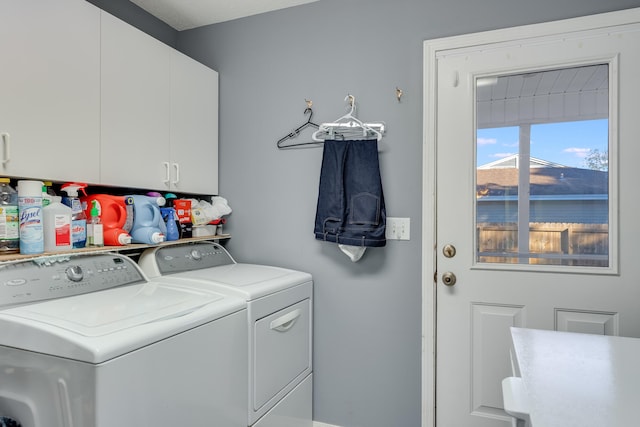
[(549, 244)]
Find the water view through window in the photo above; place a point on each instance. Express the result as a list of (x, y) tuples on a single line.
[(542, 158)]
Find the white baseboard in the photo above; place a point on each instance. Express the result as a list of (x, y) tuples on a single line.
[(319, 424)]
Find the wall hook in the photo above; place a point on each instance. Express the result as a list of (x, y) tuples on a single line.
[(309, 103), (351, 98), (399, 93)]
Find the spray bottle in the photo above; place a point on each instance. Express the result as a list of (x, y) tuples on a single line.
[(169, 220), (78, 217)]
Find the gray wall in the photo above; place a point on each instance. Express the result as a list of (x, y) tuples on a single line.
[(367, 346), (368, 314)]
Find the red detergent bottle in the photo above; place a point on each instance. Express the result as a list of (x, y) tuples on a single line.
[(116, 215)]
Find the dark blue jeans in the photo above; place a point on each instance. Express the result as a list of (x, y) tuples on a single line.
[(350, 200)]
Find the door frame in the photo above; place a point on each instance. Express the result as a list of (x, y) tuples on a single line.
[(429, 187)]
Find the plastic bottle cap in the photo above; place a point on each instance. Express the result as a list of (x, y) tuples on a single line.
[(94, 209), (124, 239), (157, 237), (29, 188), (5, 180), (157, 197)]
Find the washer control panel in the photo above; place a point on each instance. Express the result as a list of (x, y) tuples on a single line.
[(178, 258), (60, 276)]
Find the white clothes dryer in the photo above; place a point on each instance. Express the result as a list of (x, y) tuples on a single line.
[(89, 341), (279, 323)]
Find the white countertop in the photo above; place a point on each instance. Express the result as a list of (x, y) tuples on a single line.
[(579, 380)]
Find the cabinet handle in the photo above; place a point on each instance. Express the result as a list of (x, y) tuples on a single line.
[(6, 145), (167, 179), (177, 168)]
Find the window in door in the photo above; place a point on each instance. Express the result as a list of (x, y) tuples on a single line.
[(542, 177)]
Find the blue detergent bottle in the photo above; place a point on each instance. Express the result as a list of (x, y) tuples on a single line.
[(147, 220)]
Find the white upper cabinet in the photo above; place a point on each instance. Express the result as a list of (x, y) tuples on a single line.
[(136, 110), (159, 114), (194, 126), (87, 97), (50, 90)]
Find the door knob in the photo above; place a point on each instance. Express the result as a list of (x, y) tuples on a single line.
[(449, 278)]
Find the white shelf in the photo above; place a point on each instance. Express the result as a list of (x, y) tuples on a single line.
[(126, 248)]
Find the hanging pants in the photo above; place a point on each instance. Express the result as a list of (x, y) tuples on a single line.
[(351, 207)]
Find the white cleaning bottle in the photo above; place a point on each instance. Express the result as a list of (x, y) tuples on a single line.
[(57, 226)]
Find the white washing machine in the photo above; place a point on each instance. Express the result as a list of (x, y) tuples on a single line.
[(279, 322), (88, 341)]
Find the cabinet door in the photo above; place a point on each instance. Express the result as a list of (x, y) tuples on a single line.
[(49, 89), (135, 103), (194, 126)]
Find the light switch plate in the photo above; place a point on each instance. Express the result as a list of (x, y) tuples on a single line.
[(398, 228)]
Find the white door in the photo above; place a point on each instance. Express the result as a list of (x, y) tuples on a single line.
[(543, 238)]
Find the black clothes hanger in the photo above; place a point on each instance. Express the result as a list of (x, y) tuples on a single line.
[(294, 133)]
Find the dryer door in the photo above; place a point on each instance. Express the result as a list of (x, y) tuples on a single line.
[(282, 350)]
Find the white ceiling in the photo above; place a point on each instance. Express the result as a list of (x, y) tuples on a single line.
[(188, 14), (568, 94)]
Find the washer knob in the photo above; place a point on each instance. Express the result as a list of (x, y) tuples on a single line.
[(196, 255), (74, 273)]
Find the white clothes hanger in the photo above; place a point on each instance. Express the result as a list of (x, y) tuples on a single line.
[(348, 127)]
